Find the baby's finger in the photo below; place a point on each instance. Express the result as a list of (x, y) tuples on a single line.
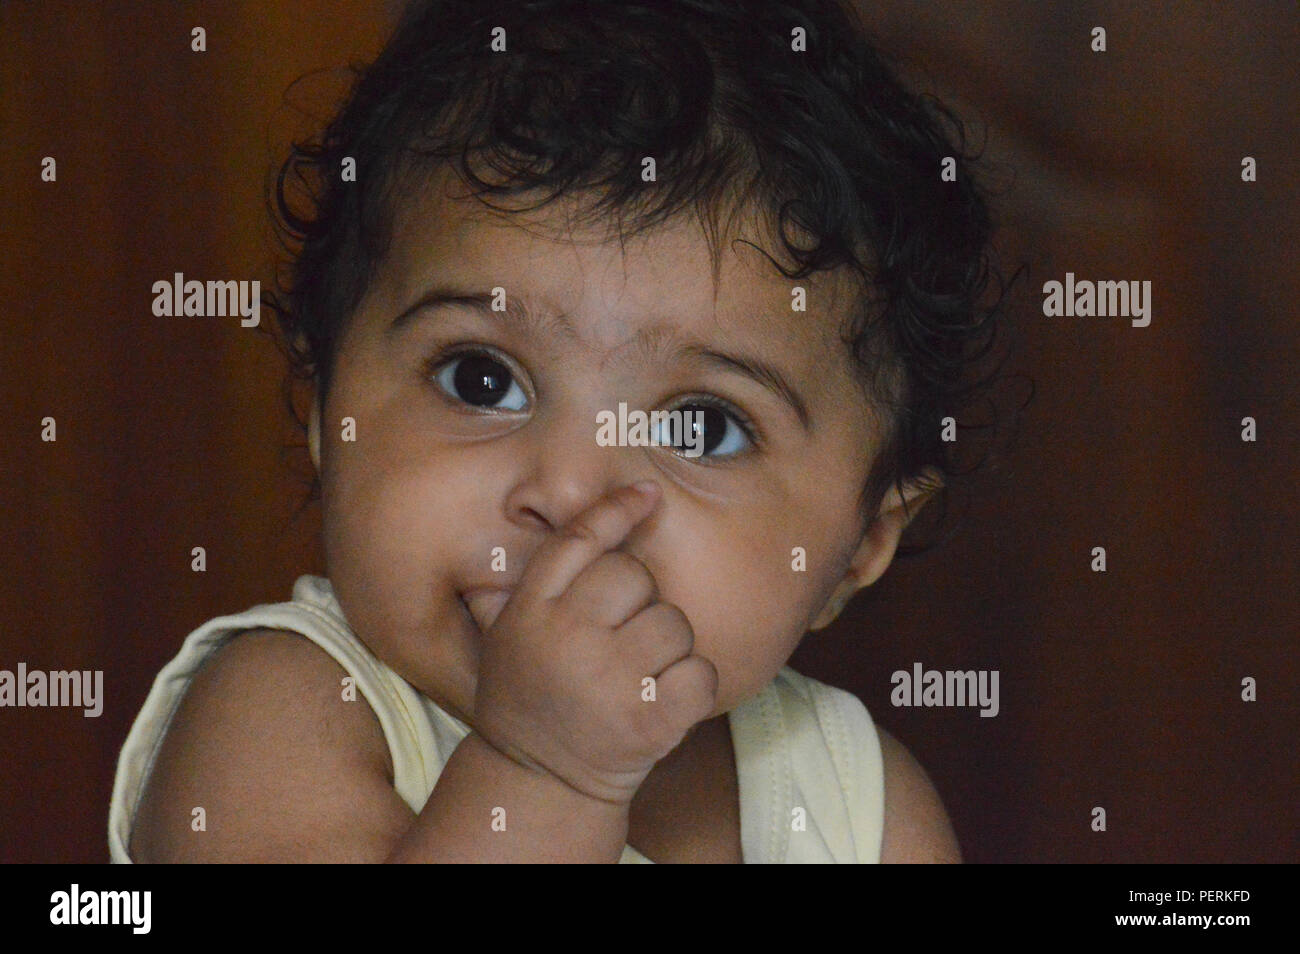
[(657, 637), (598, 529), (688, 689), (613, 588)]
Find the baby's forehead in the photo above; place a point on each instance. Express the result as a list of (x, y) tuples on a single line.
[(565, 263)]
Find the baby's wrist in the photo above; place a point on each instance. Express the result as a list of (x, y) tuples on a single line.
[(611, 801), (488, 807)]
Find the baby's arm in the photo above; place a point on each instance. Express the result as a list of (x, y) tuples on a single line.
[(917, 829), (285, 772), (282, 768)]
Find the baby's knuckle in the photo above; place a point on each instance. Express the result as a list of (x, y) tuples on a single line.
[(673, 628), (624, 563), (703, 679), (634, 572)]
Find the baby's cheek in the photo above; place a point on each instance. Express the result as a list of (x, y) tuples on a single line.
[(385, 553), (748, 618), (379, 550), (381, 506)]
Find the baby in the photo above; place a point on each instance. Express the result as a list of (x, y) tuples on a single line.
[(532, 645)]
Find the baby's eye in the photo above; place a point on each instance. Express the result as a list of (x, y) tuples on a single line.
[(725, 430), (480, 380)]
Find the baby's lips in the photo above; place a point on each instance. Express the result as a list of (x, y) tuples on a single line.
[(486, 605)]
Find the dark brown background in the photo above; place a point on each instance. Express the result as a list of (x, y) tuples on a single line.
[(1119, 690)]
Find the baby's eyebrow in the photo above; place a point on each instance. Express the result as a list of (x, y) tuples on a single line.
[(759, 371), (517, 313)]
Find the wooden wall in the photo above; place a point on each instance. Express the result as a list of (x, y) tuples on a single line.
[(1119, 690)]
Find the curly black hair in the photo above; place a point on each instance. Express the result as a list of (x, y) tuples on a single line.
[(786, 109)]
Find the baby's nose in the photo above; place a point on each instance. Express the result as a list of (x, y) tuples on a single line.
[(567, 469)]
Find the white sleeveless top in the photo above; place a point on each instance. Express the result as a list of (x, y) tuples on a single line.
[(808, 760)]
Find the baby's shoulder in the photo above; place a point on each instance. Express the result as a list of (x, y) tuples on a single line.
[(917, 829), (264, 743)]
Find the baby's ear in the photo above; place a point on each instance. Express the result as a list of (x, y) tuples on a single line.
[(879, 542)]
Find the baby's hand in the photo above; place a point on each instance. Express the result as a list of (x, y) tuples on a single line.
[(560, 682)]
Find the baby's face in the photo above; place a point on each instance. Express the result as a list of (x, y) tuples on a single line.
[(445, 467)]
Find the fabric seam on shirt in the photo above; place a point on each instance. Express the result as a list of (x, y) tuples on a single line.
[(781, 783)]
